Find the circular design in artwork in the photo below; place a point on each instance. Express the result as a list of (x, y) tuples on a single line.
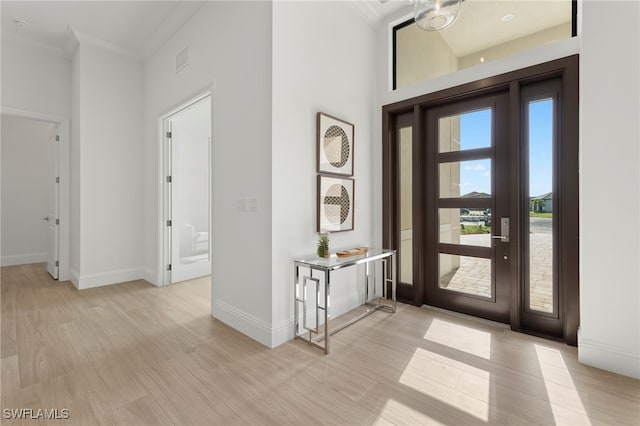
[(336, 146), (337, 204)]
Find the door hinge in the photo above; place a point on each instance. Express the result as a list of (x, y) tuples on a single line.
[(169, 222), (58, 179), (57, 138), (168, 267), (57, 221), (168, 135), (57, 263), (168, 179)]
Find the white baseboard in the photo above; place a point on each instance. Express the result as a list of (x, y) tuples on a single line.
[(75, 277), (23, 259), (110, 277), (607, 357), (265, 333), (245, 323), (151, 276), (283, 332)]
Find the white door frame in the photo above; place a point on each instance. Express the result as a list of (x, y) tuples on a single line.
[(163, 276), (64, 188)]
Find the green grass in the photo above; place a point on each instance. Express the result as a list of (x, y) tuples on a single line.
[(474, 229), (540, 214)]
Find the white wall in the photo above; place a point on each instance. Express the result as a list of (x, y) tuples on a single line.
[(111, 165), (230, 52), (413, 64), (323, 60), (74, 169), (522, 44), (25, 190), (35, 78), (609, 156), (36, 83)]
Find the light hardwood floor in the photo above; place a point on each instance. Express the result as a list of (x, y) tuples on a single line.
[(135, 354)]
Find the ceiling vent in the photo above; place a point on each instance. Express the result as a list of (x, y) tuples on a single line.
[(182, 59)]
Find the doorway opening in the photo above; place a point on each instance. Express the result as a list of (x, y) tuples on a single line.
[(480, 196), (35, 191), (186, 183)]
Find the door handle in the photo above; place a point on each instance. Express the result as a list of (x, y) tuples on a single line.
[(46, 219), (504, 230)]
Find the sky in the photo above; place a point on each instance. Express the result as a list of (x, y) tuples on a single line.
[(475, 132)]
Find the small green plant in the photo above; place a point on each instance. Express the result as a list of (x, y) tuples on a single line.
[(323, 245)]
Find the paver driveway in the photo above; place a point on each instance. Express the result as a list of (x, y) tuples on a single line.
[(474, 274)]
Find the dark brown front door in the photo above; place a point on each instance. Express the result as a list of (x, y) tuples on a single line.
[(481, 198), (467, 207)]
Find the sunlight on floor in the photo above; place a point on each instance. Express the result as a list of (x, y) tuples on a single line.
[(395, 411), (554, 371), (460, 337), (438, 381)]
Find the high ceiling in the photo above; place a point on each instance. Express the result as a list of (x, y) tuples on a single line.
[(480, 25), (140, 27)]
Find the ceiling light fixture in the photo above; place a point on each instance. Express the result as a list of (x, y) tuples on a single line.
[(20, 24), (508, 17), (436, 15)]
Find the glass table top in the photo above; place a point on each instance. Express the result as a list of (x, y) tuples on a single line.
[(334, 262)]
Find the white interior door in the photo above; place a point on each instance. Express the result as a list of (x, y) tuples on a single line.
[(53, 209), (188, 191)]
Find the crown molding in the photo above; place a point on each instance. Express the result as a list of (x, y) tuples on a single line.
[(367, 10), (35, 43), (86, 39)]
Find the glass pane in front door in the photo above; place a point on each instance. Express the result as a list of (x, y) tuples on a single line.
[(467, 224), (549, 211), (541, 248), (465, 274), (467, 179), (470, 130), (405, 193)]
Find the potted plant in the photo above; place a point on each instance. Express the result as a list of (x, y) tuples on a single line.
[(323, 244)]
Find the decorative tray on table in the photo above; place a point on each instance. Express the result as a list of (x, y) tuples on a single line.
[(353, 252)]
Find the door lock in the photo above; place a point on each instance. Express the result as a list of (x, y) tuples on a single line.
[(504, 230)]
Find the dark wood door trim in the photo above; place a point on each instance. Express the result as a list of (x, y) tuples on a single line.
[(569, 224), (515, 135), (567, 70), (551, 323)]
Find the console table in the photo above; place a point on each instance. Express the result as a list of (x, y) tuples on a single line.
[(325, 267)]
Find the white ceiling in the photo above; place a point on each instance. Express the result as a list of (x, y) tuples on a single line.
[(141, 27), (138, 27), (480, 24)]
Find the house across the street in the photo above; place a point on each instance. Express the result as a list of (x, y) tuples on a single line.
[(542, 203)]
